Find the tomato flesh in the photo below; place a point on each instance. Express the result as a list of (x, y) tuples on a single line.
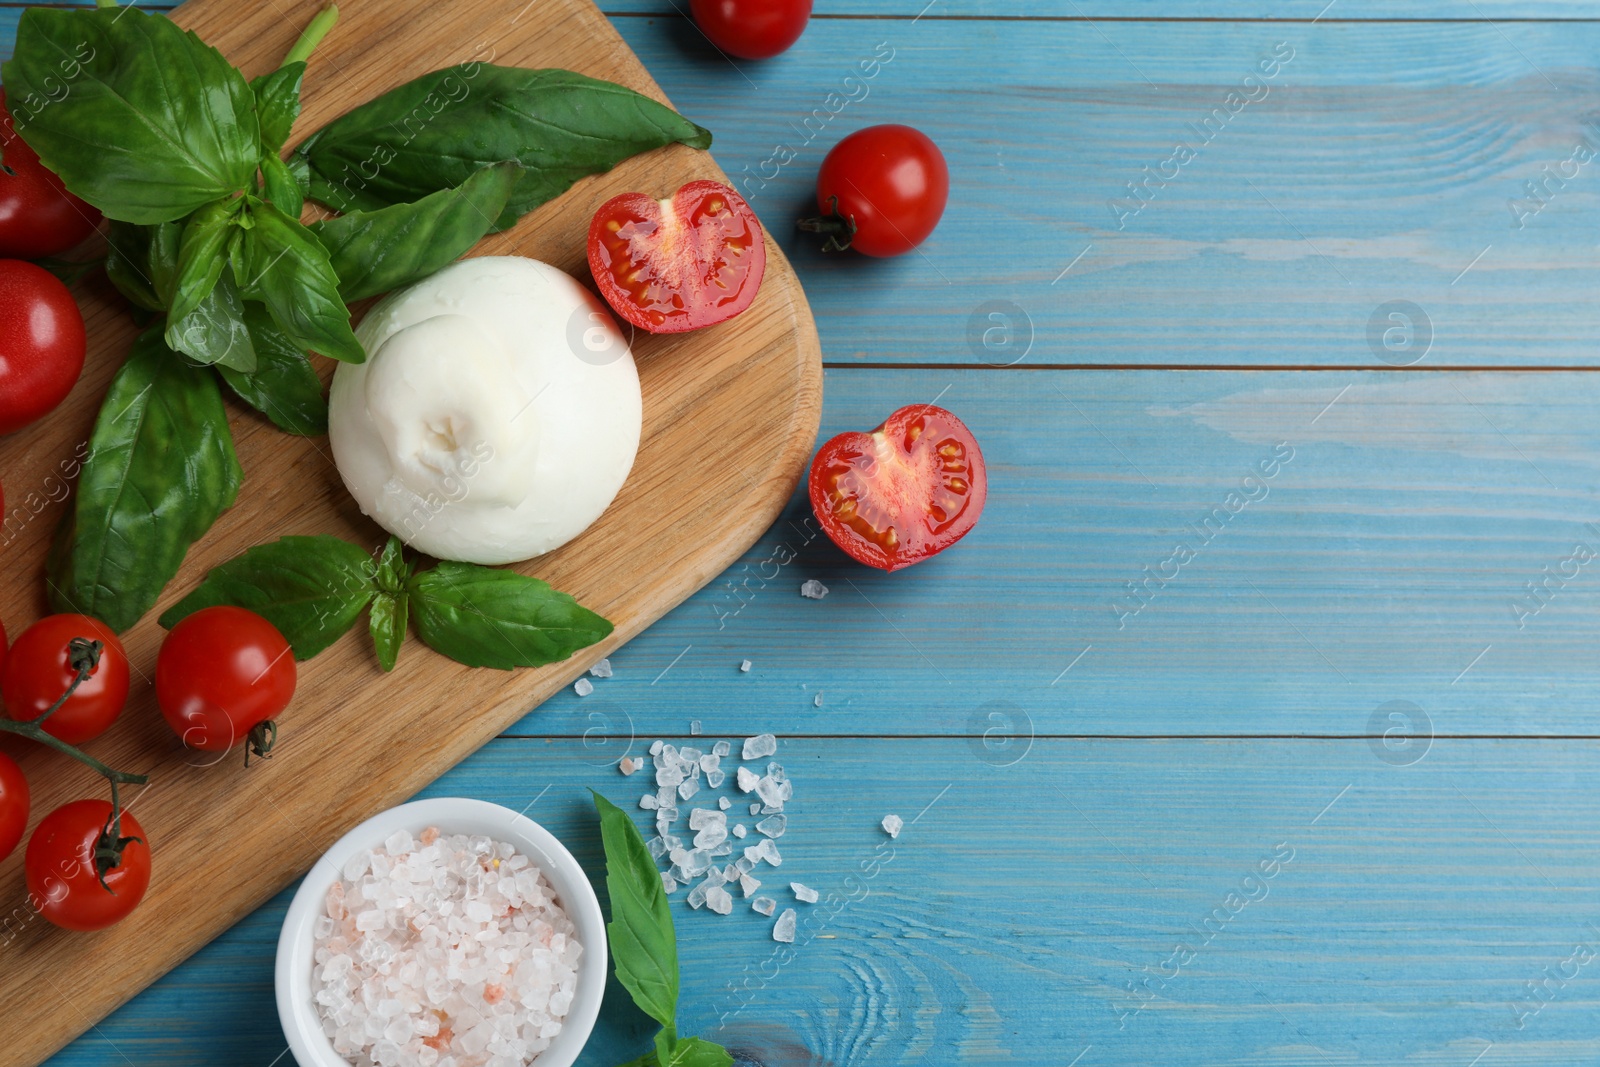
[(38, 217), (902, 493), (221, 672), (59, 864), (668, 266), (38, 670), (891, 181), (13, 805), (751, 29)]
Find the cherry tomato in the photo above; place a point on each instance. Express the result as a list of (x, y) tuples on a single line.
[(38, 217), (906, 491), (888, 182), (751, 29), (39, 669), (60, 867), (41, 343), (220, 673), (673, 265), (13, 804)]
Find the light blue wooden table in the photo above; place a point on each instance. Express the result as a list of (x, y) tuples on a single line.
[(1375, 675)]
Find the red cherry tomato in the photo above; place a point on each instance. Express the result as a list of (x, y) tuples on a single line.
[(673, 265), (62, 881), (39, 669), (41, 343), (891, 182), (38, 217), (751, 29), (906, 491), (222, 672), (13, 804)]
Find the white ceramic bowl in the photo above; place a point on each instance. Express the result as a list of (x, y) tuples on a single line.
[(452, 815)]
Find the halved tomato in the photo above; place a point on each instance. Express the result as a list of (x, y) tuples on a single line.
[(668, 266), (906, 491)]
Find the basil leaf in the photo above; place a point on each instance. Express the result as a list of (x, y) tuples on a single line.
[(201, 257), (387, 616), (283, 387), (128, 264), (215, 331), (311, 588), (280, 187), (697, 1052), (143, 120), (160, 469), (277, 98), (485, 617), (287, 269), (437, 131), (644, 945), (376, 251)]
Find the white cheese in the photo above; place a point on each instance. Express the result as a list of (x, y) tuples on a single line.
[(496, 416)]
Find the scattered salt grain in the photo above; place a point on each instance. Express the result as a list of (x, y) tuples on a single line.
[(719, 900), (739, 830), (714, 779), (774, 825), (803, 893), (783, 930), (694, 728), (720, 749), (655, 748), (445, 950), (749, 885), (745, 779), (601, 669), (892, 825), (723, 803), (688, 789), (649, 802), (812, 589), (764, 905), (583, 687), (628, 765), (669, 883), (816, 701), (745, 666), (760, 745), (755, 809)]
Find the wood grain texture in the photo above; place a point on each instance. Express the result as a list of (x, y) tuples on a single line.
[(1011, 919), (356, 740)]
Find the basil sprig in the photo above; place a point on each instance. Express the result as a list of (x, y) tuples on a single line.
[(644, 943), (313, 590), (160, 469), (437, 131)]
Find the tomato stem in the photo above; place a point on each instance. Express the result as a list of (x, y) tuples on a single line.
[(263, 735), (833, 224), (109, 845), (313, 35), (83, 656)]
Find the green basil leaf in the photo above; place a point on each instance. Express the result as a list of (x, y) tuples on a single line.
[(697, 1052), (143, 120), (283, 387), (376, 251), (277, 98), (280, 187), (201, 257), (128, 264), (437, 131), (644, 945), (485, 617), (160, 469), (287, 269), (311, 588), (215, 331), (387, 616)]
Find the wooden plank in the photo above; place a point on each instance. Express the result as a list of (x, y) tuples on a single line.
[(214, 861), (1386, 557), (1418, 903)]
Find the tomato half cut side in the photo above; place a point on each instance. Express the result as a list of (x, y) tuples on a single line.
[(669, 266), (904, 492)]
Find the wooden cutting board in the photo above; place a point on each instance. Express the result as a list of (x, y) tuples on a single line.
[(730, 416)]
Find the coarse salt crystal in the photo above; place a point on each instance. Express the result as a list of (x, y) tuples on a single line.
[(724, 803), (755, 809), (773, 826), (764, 905), (745, 666), (720, 749), (744, 779), (760, 745), (749, 884), (719, 900), (739, 830), (601, 669), (583, 687), (804, 893), (816, 701), (694, 728), (892, 825), (812, 589), (783, 930), (628, 765), (714, 779)]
